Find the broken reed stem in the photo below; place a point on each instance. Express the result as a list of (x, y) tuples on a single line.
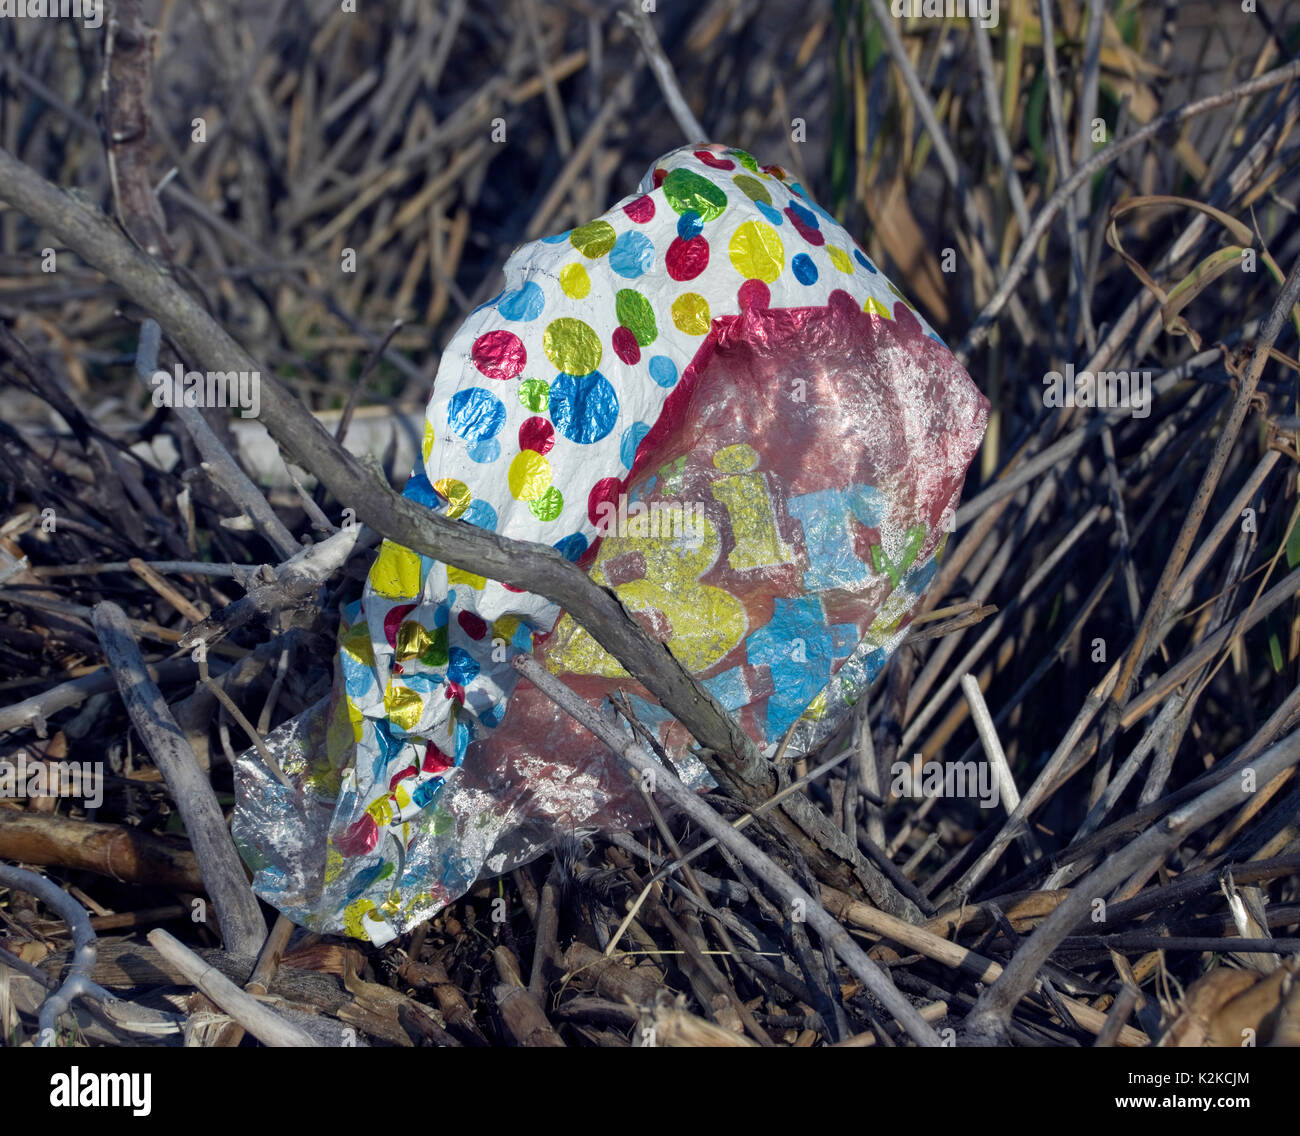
[(242, 926), (762, 865), (256, 1017), (989, 1022)]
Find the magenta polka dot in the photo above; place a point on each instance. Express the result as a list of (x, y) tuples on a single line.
[(641, 210), (685, 260), (472, 624), (714, 161), (809, 234), (754, 294), (536, 434), (499, 354), (606, 490), (393, 620), (626, 347)]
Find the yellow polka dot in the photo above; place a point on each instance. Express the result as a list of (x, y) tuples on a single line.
[(333, 864), (413, 640), (357, 644), (426, 447), (404, 707), (395, 573), (381, 810), (354, 918), (456, 493), (529, 476), (505, 628), (757, 252), (816, 708), (691, 314), (874, 307), (739, 458), (458, 576), (840, 259), (575, 281)]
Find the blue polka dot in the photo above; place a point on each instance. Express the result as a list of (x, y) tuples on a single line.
[(476, 413), (631, 439), (794, 185), (481, 515), (689, 225), (558, 239), (805, 271), (443, 610), (488, 303), (771, 214), (523, 304), (663, 370), (358, 677), (463, 733), (806, 216), (820, 212), (572, 547), (937, 340), (462, 667), (583, 408), (421, 492), (864, 261), (363, 880), (633, 254), (522, 639), (491, 716), (427, 791), (422, 682), (484, 450)]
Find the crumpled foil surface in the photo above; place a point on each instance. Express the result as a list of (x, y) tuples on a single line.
[(713, 401)]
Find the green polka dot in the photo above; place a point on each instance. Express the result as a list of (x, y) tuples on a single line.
[(571, 346), (435, 654), (902, 297), (534, 394), (635, 313), (745, 159), (752, 188), (687, 192), (593, 239), (548, 506)]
